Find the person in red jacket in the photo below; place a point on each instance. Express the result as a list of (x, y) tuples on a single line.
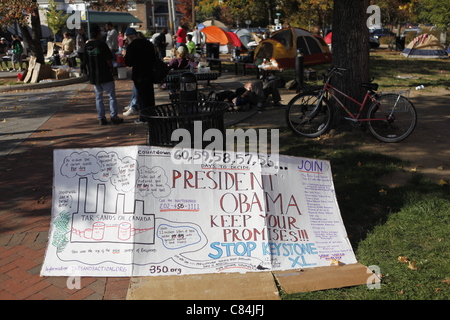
[(181, 36)]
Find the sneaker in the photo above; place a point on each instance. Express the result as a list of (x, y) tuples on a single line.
[(130, 112), (103, 121), (139, 121), (12, 70), (116, 120)]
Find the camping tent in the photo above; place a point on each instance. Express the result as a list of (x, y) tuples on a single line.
[(216, 23), (227, 40), (245, 36), (425, 46), (283, 44)]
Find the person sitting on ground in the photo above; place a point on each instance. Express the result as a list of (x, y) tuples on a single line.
[(255, 94), (182, 59)]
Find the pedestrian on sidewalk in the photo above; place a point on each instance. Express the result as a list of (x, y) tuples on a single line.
[(141, 55), (17, 53), (100, 69)]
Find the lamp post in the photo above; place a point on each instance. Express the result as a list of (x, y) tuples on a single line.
[(86, 9), (248, 22)]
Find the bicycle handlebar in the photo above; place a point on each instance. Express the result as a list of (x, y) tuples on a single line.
[(327, 76)]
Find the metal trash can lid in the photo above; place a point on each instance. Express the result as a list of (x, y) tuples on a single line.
[(188, 77)]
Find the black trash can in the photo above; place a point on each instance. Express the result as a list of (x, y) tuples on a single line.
[(164, 119), (213, 50), (399, 43), (188, 87)]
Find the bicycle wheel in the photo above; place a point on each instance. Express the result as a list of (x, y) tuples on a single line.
[(307, 116), (392, 118)]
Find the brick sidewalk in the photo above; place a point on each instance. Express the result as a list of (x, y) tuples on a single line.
[(26, 193)]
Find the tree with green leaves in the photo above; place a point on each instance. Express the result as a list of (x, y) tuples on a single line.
[(56, 19), (434, 11), (24, 12)]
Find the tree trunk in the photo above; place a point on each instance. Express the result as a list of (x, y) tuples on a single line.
[(351, 48), (34, 40)]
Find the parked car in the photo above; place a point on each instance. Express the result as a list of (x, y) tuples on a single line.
[(382, 32), (414, 31), (374, 42)]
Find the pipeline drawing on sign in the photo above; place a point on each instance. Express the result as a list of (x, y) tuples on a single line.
[(117, 226)]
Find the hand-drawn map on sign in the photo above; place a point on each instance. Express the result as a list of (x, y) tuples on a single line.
[(134, 211)]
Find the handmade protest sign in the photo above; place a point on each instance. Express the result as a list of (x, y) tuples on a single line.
[(132, 211)]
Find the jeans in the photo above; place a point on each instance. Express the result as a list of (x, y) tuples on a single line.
[(110, 91), (134, 104), (145, 95)]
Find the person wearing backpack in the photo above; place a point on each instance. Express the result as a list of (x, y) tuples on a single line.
[(17, 53)]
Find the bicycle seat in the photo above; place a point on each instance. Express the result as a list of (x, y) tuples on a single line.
[(371, 86)]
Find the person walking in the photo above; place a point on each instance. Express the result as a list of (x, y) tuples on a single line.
[(100, 69), (141, 55)]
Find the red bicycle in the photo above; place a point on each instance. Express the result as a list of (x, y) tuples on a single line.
[(390, 117)]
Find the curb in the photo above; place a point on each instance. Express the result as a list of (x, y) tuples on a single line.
[(43, 85)]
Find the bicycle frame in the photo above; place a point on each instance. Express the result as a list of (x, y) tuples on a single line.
[(355, 118)]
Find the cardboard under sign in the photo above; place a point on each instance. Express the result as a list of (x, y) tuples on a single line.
[(230, 286), (249, 286), (323, 278), (143, 211)]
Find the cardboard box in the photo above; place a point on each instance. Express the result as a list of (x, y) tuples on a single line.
[(60, 73)]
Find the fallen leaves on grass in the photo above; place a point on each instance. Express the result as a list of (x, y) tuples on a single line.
[(442, 182), (411, 264)]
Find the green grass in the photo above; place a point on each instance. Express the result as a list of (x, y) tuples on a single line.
[(410, 220), (392, 71), (384, 221)]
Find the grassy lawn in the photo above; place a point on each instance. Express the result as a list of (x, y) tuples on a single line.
[(402, 229), (385, 222)]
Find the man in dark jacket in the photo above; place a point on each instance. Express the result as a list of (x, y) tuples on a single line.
[(98, 59), (161, 43), (140, 55)]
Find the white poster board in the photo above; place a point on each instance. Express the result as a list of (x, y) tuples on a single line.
[(132, 211)]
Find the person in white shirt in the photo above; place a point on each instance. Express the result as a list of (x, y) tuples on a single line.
[(111, 38), (198, 38)]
